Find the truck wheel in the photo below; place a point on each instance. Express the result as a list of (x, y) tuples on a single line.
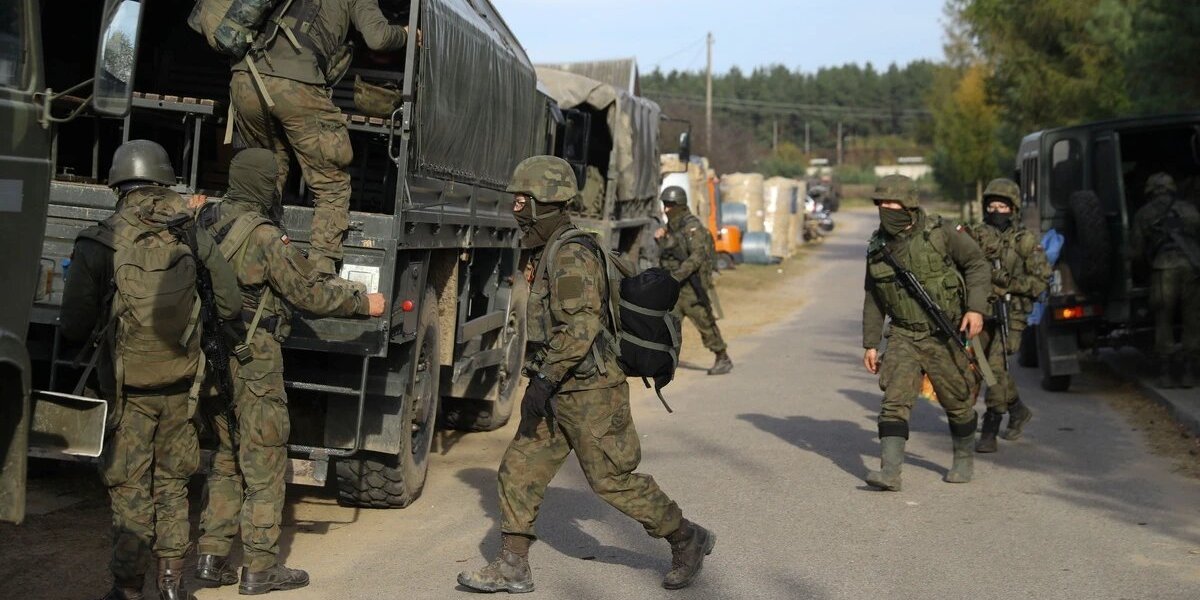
[(1089, 249), (379, 481), (1027, 354), (1056, 383)]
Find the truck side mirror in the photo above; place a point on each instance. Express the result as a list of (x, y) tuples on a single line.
[(685, 148), (116, 57)]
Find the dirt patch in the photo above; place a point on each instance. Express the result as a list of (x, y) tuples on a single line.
[(1162, 433)]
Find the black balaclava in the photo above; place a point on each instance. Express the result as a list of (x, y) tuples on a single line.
[(894, 221), (1001, 221), (252, 181), (538, 222)]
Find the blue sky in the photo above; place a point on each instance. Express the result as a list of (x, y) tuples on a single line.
[(804, 34)]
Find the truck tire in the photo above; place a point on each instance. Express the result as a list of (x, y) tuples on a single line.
[(1089, 249), (1027, 355), (481, 415), (1056, 383), (374, 480), (725, 261)]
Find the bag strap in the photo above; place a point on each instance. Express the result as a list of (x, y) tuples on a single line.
[(258, 313)]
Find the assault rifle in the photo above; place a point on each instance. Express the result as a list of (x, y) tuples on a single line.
[(213, 333), (931, 308), (1003, 305)]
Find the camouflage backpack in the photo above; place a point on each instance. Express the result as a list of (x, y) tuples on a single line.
[(155, 308), (230, 26)]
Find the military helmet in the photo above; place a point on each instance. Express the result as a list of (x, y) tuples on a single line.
[(673, 195), (549, 179), (1003, 189), (141, 160), (1160, 183), (896, 188)]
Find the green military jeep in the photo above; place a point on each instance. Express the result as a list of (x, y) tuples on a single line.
[(1098, 295)]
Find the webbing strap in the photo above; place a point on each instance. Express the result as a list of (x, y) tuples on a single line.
[(197, 383), (637, 341), (260, 82), (229, 122), (258, 313), (985, 369), (643, 311)]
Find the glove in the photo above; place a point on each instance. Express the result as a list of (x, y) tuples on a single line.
[(1000, 278), (537, 404)]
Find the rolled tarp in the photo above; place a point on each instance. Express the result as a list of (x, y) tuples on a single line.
[(756, 249)]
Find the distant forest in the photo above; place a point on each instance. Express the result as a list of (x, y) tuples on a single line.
[(759, 119)]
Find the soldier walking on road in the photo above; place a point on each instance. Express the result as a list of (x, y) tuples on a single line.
[(132, 295), (1166, 234), (577, 398), (689, 253), (281, 100), (248, 490), (941, 257), (1020, 273)]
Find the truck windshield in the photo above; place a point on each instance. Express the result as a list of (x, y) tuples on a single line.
[(1066, 171), (12, 45)]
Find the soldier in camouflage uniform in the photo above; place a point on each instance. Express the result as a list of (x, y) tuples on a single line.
[(577, 398), (1166, 234), (248, 489), (942, 257), (152, 448), (689, 253), (297, 80), (1020, 273)]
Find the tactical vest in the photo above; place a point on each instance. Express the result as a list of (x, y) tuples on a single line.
[(231, 230), (925, 254), (1002, 246), (679, 251)]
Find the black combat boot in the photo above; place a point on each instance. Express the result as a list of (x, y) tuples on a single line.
[(987, 435), (130, 589), (1018, 416), (890, 461), (722, 365), (170, 580), (689, 545), (1187, 379), (510, 571), (277, 577), (963, 468), (215, 569)]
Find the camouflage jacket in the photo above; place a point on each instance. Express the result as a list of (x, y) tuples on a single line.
[(328, 33), (567, 320), (947, 262), (687, 247), (268, 261), (1150, 237), (1019, 265)]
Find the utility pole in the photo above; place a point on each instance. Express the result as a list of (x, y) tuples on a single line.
[(839, 144), (708, 130), (807, 147), (775, 137)]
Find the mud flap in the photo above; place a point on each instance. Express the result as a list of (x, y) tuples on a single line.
[(1058, 350), (66, 424)]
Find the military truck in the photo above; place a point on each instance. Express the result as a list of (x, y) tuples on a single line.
[(1099, 293), (430, 228), (609, 135), (27, 116)]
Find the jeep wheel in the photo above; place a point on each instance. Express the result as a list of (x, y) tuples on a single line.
[(374, 480), (1089, 249)]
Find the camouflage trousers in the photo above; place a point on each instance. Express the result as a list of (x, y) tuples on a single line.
[(1175, 292), (905, 363), (702, 317), (1002, 395), (246, 491), (145, 466), (307, 121), (598, 426)]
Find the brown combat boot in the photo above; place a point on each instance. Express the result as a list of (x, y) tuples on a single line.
[(1018, 416), (722, 365), (509, 572), (987, 434), (689, 545), (170, 580), (127, 589)]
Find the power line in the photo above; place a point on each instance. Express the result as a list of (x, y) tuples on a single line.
[(787, 108), (691, 45)]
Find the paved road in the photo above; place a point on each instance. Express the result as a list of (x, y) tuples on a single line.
[(771, 458)]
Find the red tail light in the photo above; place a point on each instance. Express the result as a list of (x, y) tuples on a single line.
[(1079, 311)]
